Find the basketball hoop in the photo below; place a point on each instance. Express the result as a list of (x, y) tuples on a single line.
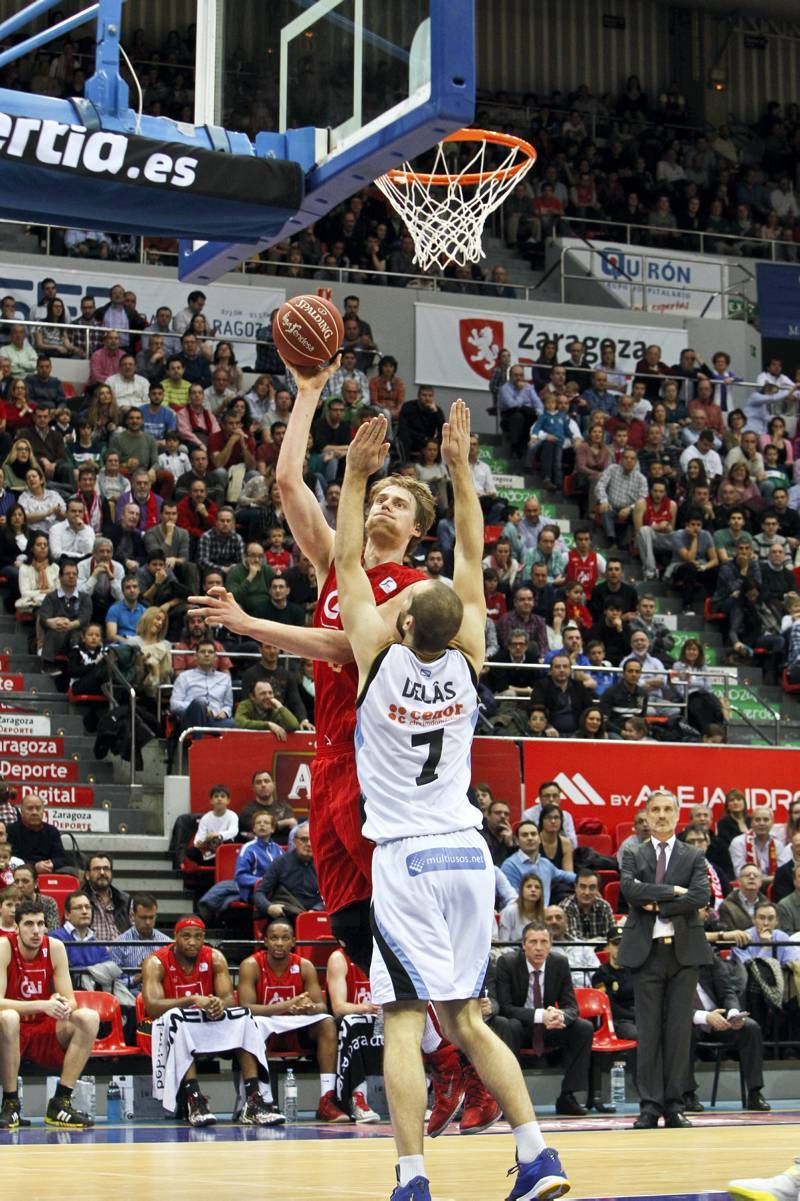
[(445, 210)]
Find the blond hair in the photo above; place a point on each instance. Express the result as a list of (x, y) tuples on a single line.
[(424, 504)]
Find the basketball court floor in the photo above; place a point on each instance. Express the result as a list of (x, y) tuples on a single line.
[(605, 1159)]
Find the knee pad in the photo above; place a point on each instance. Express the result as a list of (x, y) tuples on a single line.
[(351, 926)]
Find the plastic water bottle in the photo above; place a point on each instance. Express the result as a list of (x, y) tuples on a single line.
[(114, 1102), (290, 1096), (84, 1096), (618, 1084), (20, 1091)]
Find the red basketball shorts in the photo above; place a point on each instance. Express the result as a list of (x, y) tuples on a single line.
[(38, 1043), (343, 857)]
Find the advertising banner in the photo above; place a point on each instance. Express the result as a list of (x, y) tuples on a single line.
[(62, 795), (779, 299), (456, 348), (653, 280), (79, 820), (23, 724), (236, 311), (611, 780)]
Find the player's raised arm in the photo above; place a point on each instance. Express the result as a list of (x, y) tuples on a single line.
[(219, 607), (363, 625), (309, 528), (467, 572)]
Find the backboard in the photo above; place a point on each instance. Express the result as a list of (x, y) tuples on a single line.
[(378, 81)]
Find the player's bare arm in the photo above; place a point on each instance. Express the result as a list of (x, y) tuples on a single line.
[(62, 982), (219, 607), (312, 988), (54, 1006), (336, 985), (309, 528), (468, 551), (362, 623), (155, 1002)]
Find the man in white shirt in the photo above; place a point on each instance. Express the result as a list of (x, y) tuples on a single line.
[(759, 846), (220, 390), (203, 696), (773, 374), (20, 353), (703, 450), (654, 673), (72, 538), (129, 388)]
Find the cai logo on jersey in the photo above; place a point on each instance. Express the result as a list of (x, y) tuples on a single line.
[(33, 984), (330, 606), (388, 585)]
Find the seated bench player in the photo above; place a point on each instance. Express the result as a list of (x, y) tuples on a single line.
[(360, 1052), (187, 991), (277, 983), (40, 1019)]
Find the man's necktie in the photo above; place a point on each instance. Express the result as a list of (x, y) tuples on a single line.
[(661, 863), (537, 1045)]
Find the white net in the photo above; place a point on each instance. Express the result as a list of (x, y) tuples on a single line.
[(447, 219)]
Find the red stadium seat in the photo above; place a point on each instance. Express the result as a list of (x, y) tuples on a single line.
[(622, 831), (606, 877), (227, 854), (710, 613), (144, 1041), (785, 685), (595, 1006), (491, 533), (611, 894), (313, 925), (598, 842), (58, 886), (107, 1007)]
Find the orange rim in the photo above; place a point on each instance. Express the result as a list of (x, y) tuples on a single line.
[(400, 176)]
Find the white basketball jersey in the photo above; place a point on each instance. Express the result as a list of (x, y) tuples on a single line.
[(414, 727)]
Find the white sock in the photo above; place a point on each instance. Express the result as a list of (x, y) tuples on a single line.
[(431, 1038), (327, 1082), (410, 1166), (530, 1143), (362, 1088)]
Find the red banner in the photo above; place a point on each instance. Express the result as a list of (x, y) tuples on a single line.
[(13, 683), (80, 796), (234, 756), (610, 780), (23, 747), (30, 771)]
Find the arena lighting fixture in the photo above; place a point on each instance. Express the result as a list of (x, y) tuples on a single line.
[(718, 79)]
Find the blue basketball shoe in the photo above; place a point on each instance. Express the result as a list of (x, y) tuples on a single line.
[(418, 1189), (544, 1179)]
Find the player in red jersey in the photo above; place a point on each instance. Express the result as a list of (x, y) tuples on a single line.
[(277, 981), (360, 1052), (187, 974), (401, 510), (40, 1019)]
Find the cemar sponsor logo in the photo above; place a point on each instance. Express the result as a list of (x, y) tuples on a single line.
[(578, 789)]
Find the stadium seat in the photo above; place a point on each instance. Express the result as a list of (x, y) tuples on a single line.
[(227, 854), (491, 533), (313, 926), (598, 842), (606, 877), (710, 613), (622, 830), (594, 1005), (58, 886), (144, 1041), (611, 894), (785, 685), (86, 698), (107, 1007)]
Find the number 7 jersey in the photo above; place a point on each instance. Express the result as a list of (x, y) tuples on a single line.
[(415, 721)]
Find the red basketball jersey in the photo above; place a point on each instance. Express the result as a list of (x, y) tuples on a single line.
[(336, 685), (583, 571), (657, 515), (273, 988), (358, 989), (29, 979), (178, 983)]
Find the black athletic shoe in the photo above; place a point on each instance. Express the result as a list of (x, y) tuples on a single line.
[(62, 1113)]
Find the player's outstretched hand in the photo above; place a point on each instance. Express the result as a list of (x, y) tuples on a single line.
[(314, 379), (369, 447), (219, 608), (455, 435)]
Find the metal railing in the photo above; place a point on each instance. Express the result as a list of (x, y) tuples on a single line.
[(666, 239), (116, 677)]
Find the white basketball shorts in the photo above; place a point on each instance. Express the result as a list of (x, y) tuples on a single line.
[(432, 917)]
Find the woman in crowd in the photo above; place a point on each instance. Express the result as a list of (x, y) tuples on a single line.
[(201, 330), (154, 651), (776, 436), (553, 843), (736, 819), (103, 412), (547, 360), (557, 618), (14, 538), (261, 399), (722, 377), (111, 483), (43, 507), (224, 357), (659, 417), (51, 339), (689, 678), (240, 408), (503, 562), (38, 575), (17, 406), (387, 390), (195, 421), (695, 476), (677, 413), (20, 458), (592, 456), (748, 493), (737, 420), (527, 906), (592, 724), (431, 470), (783, 831)]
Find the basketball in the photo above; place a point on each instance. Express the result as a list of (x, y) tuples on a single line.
[(308, 331)]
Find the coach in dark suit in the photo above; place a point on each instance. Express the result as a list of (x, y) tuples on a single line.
[(717, 1018), (535, 995), (665, 884)]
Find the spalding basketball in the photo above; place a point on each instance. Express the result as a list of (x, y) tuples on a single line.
[(308, 331)]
